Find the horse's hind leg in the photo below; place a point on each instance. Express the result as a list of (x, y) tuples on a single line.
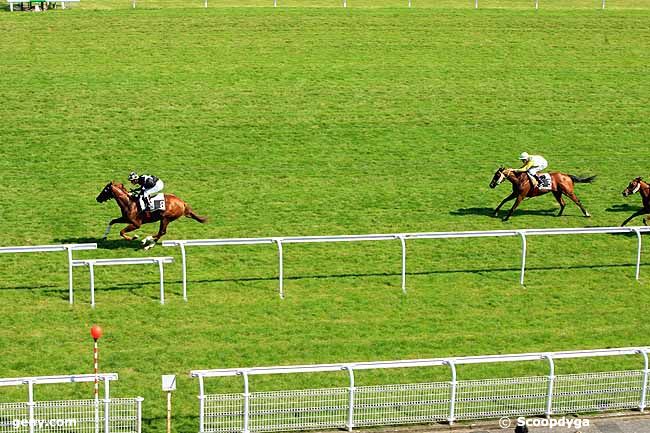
[(127, 229), (560, 200), (575, 199)]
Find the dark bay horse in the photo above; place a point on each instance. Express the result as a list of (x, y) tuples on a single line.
[(638, 185), (561, 184), (174, 209)]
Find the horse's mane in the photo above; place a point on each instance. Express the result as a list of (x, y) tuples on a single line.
[(120, 186)]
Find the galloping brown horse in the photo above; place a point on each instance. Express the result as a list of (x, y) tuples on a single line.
[(638, 185), (174, 209), (522, 188)]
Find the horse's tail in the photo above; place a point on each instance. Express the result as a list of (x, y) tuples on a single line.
[(577, 179), (190, 214)]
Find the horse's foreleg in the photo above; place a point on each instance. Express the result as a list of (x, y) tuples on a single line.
[(575, 199), (560, 200), (514, 206), (507, 199), (127, 229), (634, 215), (110, 225)]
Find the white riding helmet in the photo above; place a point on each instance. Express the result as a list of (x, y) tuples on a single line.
[(133, 176), (524, 156)]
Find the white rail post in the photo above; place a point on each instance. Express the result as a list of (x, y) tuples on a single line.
[(638, 253), (475, 4), (201, 405), (280, 267), (452, 398), (133, 3), (536, 4), (162, 281), (30, 403), (403, 242), (247, 406), (91, 266), (70, 289), (184, 265), (603, 4), (350, 423), (551, 382), (138, 422), (345, 3), (644, 387), (409, 3), (275, 3), (107, 405), (524, 247), (205, 4)]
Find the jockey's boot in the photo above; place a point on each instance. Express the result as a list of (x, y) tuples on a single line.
[(534, 181), (145, 199)]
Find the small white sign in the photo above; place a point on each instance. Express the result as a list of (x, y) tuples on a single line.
[(169, 382)]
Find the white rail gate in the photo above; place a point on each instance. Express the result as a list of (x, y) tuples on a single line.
[(524, 234), (69, 248), (119, 415), (448, 401)]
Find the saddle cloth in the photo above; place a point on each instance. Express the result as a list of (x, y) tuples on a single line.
[(544, 181), (156, 203)]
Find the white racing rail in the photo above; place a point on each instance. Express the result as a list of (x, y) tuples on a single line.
[(402, 238), (449, 401), (91, 263), (53, 248), (122, 415)]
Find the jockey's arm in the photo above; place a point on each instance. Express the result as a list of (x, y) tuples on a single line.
[(525, 167)]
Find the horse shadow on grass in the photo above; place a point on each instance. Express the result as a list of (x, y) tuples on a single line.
[(623, 208), (106, 244), (489, 211)]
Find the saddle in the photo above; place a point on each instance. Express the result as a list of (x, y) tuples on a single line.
[(153, 204), (544, 183)]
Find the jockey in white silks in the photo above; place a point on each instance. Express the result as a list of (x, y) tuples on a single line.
[(149, 185), (532, 165)]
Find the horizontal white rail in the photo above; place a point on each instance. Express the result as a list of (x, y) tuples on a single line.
[(536, 356), (91, 263), (402, 237), (53, 248), (73, 378), (324, 408)]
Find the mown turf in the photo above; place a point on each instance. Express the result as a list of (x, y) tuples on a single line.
[(315, 121)]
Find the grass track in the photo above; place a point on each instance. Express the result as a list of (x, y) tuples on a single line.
[(308, 121)]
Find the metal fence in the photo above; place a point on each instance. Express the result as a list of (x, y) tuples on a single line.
[(448, 401), (69, 248), (118, 415), (402, 238)]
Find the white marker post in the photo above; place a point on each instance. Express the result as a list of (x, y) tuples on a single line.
[(169, 385)]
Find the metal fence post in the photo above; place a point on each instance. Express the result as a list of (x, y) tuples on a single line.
[(524, 248), (403, 242), (352, 388), (452, 398), (280, 267), (162, 281), (536, 4), (30, 404), (70, 289), (107, 407), (638, 253), (201, 405), (551, 382), (91, 266), (184, 270), (644, 386), (246, 403), (138, 422)]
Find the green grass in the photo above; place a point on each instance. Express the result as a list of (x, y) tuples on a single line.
[(318, 121)]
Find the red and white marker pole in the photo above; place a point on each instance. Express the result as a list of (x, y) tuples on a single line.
[(96, 333)]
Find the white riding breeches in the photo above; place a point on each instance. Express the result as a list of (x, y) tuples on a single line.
[(153, 190), (537, 168)]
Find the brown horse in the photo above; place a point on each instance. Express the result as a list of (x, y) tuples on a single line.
[(174, 209), (522, 188), (638, 185)]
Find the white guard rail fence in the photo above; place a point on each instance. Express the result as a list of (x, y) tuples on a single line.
[(69, 248), (402, 238), (449, 401), (91, 263), (119, 415)]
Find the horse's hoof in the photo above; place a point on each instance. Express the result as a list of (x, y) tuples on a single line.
[(149, 246), (135, 238)]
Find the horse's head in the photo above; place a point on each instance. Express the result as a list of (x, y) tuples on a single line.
[(633, 187), (499, 176), (106, 194)]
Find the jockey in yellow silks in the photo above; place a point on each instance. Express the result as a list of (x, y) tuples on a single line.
[(532, 165)]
